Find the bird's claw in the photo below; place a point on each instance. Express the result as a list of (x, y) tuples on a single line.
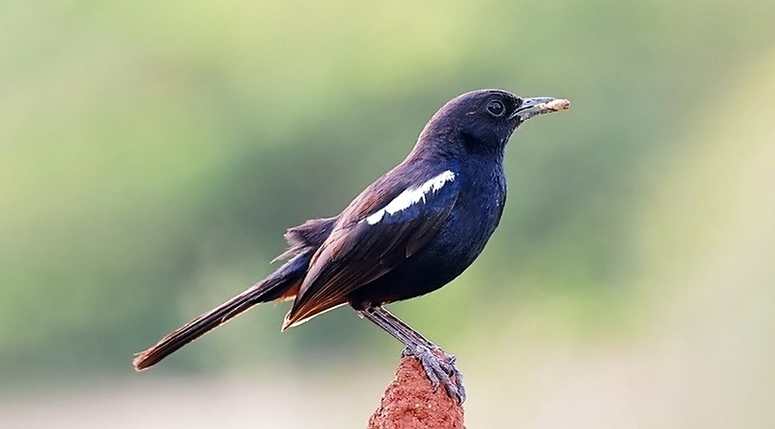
[(440, 370)]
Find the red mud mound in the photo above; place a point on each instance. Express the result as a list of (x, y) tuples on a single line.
[(409, 403)]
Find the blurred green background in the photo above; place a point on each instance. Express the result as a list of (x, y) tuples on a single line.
[(152, 154)]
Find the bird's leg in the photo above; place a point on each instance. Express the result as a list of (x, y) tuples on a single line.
[(439, 370)]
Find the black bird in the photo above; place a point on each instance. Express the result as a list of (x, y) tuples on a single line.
[(409, 233)]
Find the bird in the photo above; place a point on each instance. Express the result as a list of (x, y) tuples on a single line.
[(410, 232)]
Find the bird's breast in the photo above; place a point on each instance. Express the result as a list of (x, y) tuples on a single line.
[(475, 216)]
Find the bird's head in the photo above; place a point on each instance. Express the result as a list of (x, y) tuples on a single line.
[(483, 120)]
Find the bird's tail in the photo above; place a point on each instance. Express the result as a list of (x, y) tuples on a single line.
[(282, 284)]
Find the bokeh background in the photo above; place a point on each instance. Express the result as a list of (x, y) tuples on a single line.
[(153, 153)]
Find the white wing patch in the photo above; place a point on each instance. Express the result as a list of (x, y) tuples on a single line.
[(412, 196)]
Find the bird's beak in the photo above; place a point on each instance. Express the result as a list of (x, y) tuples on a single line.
[(538, 106)]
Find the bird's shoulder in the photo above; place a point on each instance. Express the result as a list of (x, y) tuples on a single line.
[(401, 191)]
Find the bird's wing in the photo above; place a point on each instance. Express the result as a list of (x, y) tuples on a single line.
[(381, 229)]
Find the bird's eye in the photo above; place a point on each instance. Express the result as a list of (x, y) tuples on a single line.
[(496, 108)]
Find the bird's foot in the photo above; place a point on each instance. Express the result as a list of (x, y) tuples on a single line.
[(440, 369)]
